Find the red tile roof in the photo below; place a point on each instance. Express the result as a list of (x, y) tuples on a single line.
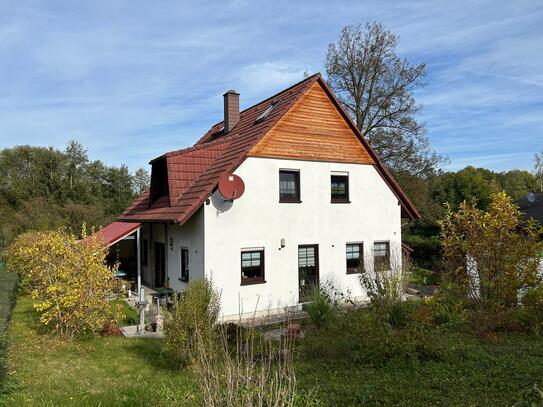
[(115, 231), (194, 172)]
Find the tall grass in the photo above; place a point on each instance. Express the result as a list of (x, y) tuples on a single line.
[(233, 367), (250, 372), (385, 286)]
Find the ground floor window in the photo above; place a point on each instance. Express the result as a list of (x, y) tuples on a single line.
[(381, 255), (355, 257), (252, 266), (184, 264)]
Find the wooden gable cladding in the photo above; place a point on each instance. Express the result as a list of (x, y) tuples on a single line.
[(313, 130)]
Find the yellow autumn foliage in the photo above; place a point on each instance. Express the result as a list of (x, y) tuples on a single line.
[(491, 254), (68, 280)]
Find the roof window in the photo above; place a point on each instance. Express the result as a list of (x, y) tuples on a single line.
[(266, 112)]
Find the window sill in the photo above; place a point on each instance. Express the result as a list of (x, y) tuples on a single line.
[(295, 202), (183, 280), (252, 282), (340, 201), (354, 271)]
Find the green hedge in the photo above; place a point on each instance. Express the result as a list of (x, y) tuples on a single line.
[(8, 288)]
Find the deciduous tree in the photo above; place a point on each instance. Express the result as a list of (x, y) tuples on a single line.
[(377, 89)]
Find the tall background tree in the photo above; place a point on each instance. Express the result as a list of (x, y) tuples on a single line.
[(142, 180), (47, 188), (377, 89)]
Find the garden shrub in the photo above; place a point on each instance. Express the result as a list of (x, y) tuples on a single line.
[(8, 284), (491, 254), (320, 308), (68, 280), (194, 315)]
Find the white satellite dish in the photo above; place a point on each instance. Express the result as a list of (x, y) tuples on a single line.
[(531, 197)]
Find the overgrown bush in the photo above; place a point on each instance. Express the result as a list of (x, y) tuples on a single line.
[(8, 284), (67, 279), (320, 308), (491, 254), (194, 313)]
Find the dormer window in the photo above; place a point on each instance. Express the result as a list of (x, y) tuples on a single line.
[(159, 180)]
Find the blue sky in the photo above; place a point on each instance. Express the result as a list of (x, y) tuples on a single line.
[(133, 79)]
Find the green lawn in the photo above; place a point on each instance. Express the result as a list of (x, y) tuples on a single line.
[(112, 371), (44, 371)]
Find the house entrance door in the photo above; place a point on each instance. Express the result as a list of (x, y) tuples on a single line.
[(308, 270), (160, 264)]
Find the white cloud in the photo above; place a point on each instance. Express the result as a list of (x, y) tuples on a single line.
[(132, 79), (269, 77)]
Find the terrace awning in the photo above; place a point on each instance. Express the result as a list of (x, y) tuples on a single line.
[(117, 231)]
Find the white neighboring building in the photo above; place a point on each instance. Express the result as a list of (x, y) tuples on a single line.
[(313, 204)]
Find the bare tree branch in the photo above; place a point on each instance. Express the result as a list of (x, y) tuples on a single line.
[(377, 88)]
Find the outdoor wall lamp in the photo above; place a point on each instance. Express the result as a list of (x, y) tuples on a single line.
[(282, 243)]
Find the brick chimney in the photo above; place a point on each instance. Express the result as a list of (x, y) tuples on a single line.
[(231, 110)]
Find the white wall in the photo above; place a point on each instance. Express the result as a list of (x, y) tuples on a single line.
[(191, 236), (257, 219)]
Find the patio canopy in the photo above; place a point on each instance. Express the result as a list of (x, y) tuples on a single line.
[(116, 231)]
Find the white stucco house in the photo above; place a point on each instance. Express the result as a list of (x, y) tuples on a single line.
[(281, 195)]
